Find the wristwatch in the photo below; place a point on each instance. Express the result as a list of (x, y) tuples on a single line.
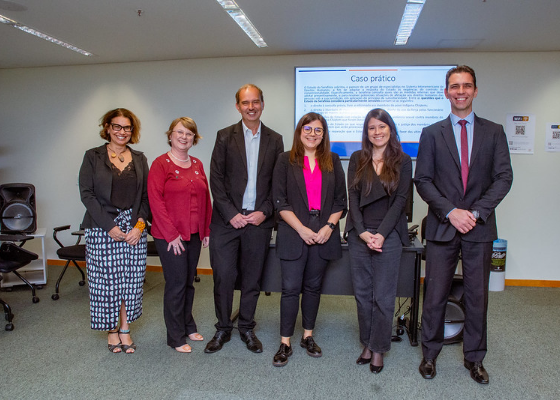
[(331, 225)]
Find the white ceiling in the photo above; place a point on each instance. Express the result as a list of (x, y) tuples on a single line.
[(184, 29)]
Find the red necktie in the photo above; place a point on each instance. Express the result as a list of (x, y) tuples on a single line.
[(464, 154)]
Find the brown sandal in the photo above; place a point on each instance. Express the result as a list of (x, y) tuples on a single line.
[(113, 347), (125, 347)]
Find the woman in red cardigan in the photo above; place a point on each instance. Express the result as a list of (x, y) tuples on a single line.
[(181, 210)]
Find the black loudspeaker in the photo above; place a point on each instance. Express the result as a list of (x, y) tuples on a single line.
[(17, 208), (454, 313)]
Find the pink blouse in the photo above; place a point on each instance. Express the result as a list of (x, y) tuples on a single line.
[(313, 184)]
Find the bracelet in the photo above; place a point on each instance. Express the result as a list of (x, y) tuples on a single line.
[(331, 225), (140, 225)]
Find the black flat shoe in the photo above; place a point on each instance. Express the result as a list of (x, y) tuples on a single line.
[(363, 361), (478, 372), (215, 344), (312, 349), (281, 357), (375, 369)]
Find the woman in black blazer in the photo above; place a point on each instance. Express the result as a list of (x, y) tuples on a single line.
[(113, 187), (379, 179), (309, 194)]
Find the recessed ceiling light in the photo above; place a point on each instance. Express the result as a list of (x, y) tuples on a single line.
[(410, 16), (31, 31), (235, 12)]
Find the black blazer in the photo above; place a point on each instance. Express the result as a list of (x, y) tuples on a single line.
[(95, 182), (290, 194), (228, 174), (438, 178), (357, 198)]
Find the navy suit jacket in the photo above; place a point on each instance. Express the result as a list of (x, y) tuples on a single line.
[(228, 174), (290, 194), (438, 178)]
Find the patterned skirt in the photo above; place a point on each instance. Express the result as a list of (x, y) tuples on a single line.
[(116, 272)]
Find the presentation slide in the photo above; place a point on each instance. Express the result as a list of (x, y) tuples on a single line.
[(413, 95)]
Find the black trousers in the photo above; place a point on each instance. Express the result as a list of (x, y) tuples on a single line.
[(305, 276), (236, 252), (441, 263), (374, 278), (178, 296)]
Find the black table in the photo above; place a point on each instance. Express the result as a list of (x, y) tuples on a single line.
[(338, 279)]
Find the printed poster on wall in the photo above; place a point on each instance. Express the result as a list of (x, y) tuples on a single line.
[(552, 140), (520, 132)]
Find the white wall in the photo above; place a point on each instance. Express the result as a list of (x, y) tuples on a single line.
[(49, 117)]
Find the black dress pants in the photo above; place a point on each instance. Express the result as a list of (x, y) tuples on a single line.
[(179, 272), (374, 277), (305, 276), (441, 263), (232, 252)]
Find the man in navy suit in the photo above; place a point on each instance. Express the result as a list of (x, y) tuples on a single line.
[(242, 217), (463, 171)]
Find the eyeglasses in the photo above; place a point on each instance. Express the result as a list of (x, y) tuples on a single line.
[(181, 133), (117, 127), (308, 130)]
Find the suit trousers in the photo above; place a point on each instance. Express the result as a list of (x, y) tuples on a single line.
[(236, 252), (302, 276), (441, 263), (178, 296), (375, 276)]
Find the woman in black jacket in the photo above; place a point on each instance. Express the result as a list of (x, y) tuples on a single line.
[(309, 193), (113, 188), (379, 179)]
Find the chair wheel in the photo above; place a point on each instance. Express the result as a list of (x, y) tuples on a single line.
[(55, 296), (9, 327), (197, 279), (82, 283), (39, 287), (35, 299)]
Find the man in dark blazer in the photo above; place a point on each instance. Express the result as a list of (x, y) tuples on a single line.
[(463, 171), (242, 217)]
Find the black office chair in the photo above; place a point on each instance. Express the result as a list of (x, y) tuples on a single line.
[(13, 257), (71, 254), (151, 247)]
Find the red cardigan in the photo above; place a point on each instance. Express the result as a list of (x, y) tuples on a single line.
[(170, 190)]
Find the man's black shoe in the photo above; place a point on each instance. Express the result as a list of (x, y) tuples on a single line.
[(427, 368), (216, 343), (253, 343), (478, 373)]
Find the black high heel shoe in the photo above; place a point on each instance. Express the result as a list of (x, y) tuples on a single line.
[(375, 369), (363, 361)]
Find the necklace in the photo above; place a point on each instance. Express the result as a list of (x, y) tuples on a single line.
[(178, 159), (114, 154)]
